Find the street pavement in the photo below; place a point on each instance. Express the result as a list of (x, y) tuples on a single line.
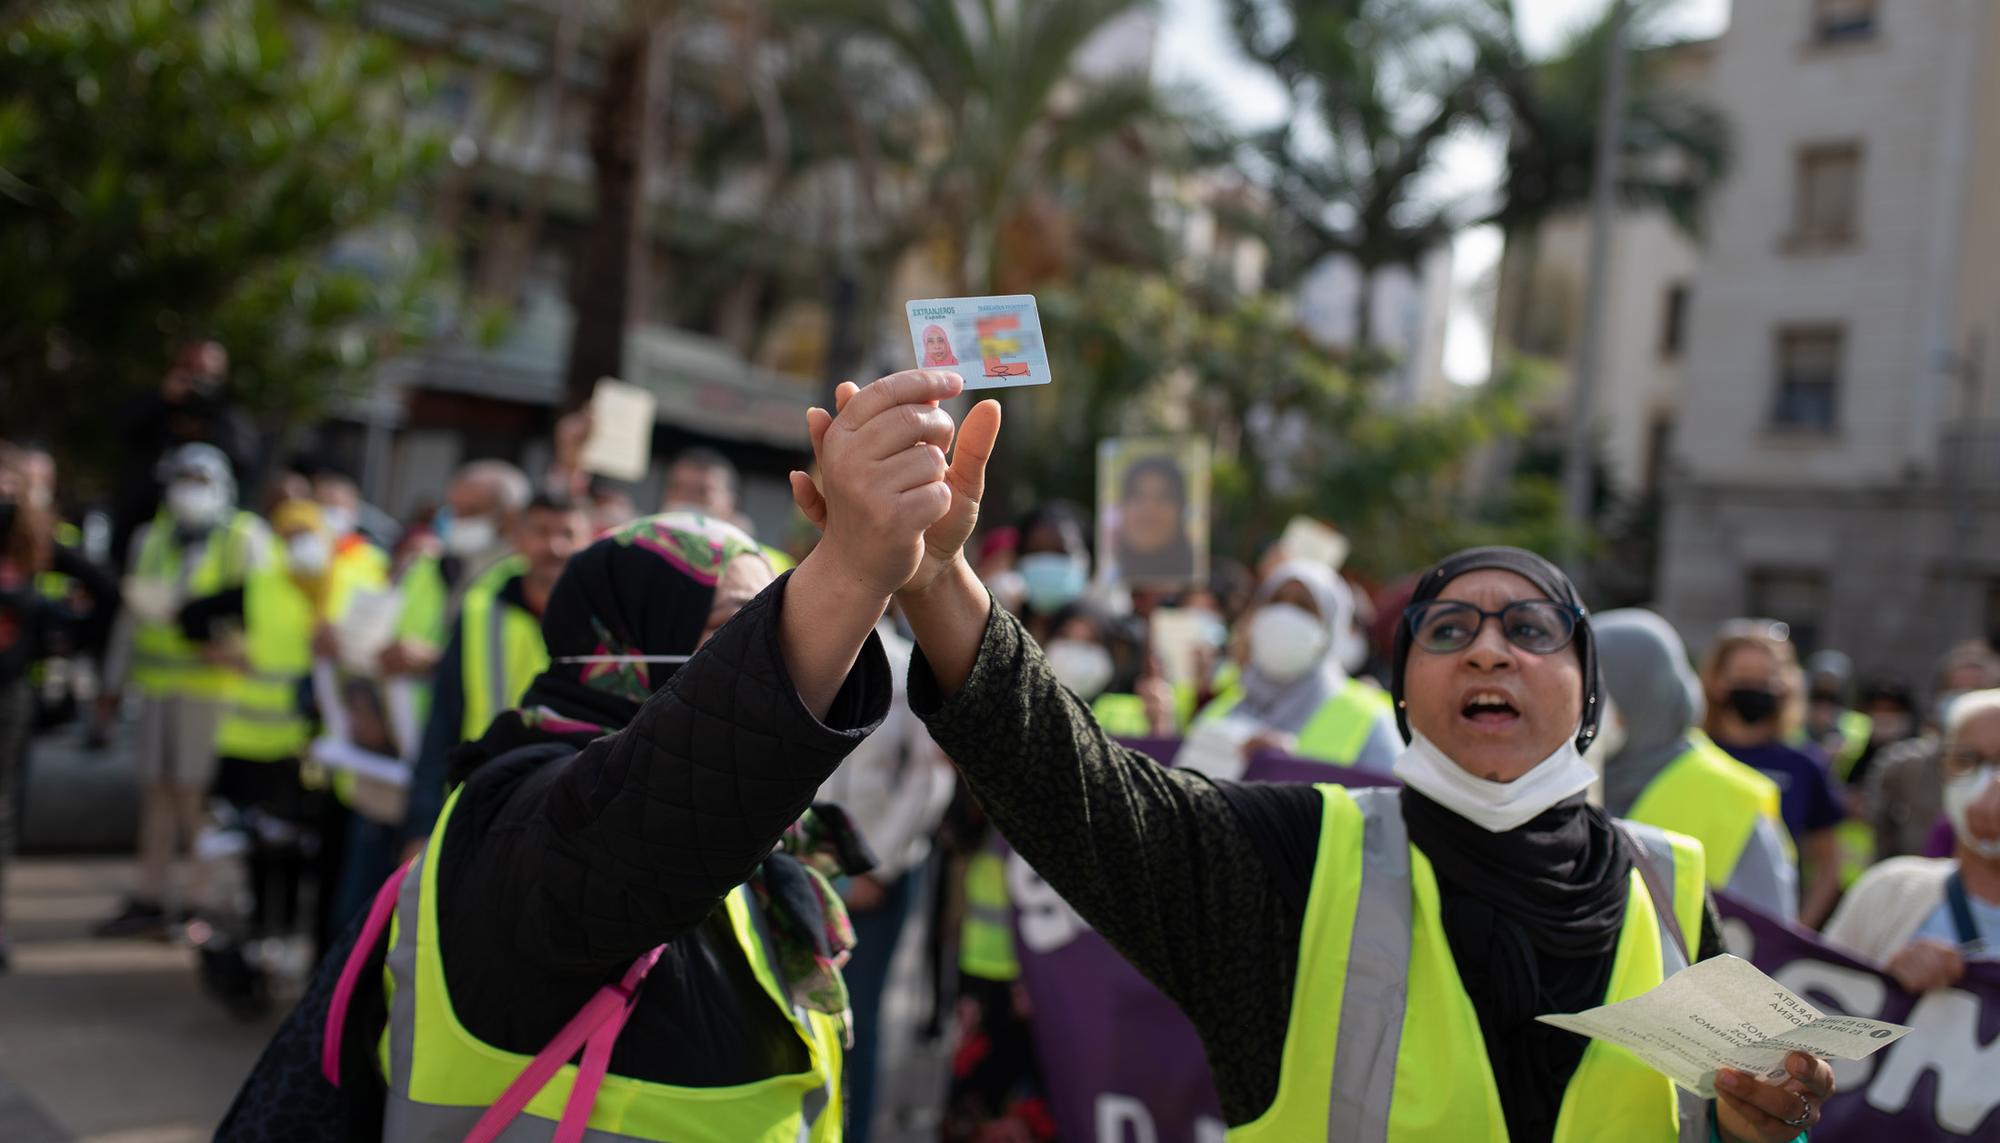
[(114, 1042)]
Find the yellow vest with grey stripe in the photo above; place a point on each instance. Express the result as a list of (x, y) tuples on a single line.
[(441, 1078), (500, 648), (1378, 1000), (164, 661), (263, 722), (1337, 730)]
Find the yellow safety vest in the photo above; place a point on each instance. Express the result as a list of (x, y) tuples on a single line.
[(357, 566), (1336, 732), (441, 1077), (500, 649), (1367, 1013), (263, 722), (1713, 798), (164, 662), (986, 936), (426, 600), (1122, 716)]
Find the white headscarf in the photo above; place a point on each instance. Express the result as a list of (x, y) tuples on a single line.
[(1288, 706)]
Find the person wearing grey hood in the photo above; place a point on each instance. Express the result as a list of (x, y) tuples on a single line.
[(1665, 773)]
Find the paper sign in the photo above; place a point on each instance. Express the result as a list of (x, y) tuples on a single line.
[(366, 627), (1215, 747), (1178, 637), (991, 342), (1724, 1013), (1307, 539), (1152, 511), (620, 444)]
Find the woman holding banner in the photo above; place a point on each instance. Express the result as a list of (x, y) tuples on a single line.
[(1324, 941)]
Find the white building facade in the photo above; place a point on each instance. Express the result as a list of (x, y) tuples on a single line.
[(1835, 463)]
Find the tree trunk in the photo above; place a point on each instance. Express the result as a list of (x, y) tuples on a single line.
[(602, 283), (1364, 308)]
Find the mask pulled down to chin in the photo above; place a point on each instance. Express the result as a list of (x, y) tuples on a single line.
[(1494, 806)]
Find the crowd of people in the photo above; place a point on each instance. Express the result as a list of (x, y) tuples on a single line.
[(659, 806)]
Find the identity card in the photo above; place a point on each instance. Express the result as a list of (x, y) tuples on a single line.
[(991, 342)]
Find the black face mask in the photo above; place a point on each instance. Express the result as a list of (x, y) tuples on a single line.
[(1752, 705), (6, 518)]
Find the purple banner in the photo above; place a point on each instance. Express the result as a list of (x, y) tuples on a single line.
[(1122, 1065), (1939, 1083)]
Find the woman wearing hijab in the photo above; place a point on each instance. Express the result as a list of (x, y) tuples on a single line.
[(603, 878), (1295, 694), (1663, 771), (1359, 965), (937, 347)]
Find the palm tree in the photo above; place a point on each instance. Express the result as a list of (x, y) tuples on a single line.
[(996, 112), (1675, 150), (1375, 98)]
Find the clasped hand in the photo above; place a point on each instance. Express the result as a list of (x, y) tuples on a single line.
[(896, 500)]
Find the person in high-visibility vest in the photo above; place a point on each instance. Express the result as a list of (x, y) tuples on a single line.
[(1660, 769), (1359, 965), (1294, 694), (495, 649), (200, 545), (566, 949)]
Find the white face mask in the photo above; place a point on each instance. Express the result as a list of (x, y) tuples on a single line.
[(195, 502), (1286, 641), (470, 535), (1493, 806), (339, 521), (1959, 794), (308, 553), (1081, 666)]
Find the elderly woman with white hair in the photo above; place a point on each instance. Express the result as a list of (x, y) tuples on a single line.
[(1295, 694), (1923, 918)]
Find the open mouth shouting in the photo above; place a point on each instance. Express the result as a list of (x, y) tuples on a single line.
[(1489, 709)]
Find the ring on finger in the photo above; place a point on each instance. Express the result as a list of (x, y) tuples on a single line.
[(1805, 1112)]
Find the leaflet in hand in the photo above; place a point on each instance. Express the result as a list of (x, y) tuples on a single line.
[(990, 342), (1724, 1013)]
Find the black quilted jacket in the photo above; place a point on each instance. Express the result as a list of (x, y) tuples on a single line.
[(560, 868)]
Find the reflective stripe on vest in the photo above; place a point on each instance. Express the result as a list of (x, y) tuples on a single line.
[(1378, 998), (263, 722), (986, 936), (1713, 798), (500, 650), (441, 1078), (1337, 730), (165, 662)]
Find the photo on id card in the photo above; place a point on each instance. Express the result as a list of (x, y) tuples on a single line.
[(990, 342)]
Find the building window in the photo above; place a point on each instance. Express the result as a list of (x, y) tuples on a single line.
[(1828, 195), (1808, 394), (1795, 598), (1673, 324), (1843, 21)]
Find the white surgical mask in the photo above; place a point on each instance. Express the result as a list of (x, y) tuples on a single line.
[(1493, 806), (1286, 641), (339, 521), (470, 535), (1959, 794), (194, 503), (1053, 580), (1081, 666), (308, 553)]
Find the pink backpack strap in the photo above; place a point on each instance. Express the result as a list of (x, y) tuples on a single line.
[(595, 1029), (350, 973)]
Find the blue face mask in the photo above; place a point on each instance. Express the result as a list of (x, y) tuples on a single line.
[(1054, 580)]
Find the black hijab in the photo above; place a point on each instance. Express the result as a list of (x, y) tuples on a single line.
[(1532, 914), (644, 589)]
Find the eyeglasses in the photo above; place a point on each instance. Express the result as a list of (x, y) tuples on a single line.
[(1538, 626), (1958, 763), (1776, 630)]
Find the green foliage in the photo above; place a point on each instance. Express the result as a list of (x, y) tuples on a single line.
[(178, 168), (1297, 430)]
